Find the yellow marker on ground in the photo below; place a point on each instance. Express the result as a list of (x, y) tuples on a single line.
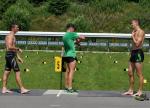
[(79, 61), (26, 70), (58, 64), (145, 81), (44, 62), (75, 69)]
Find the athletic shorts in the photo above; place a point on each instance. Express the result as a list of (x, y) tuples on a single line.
[(137, 55), (68, 59), (11, 62)]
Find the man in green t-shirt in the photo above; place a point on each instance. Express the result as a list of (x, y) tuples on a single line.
[(69, 56)]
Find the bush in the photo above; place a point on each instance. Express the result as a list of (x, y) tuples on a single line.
[(81, 24), (82, 1), (24, 4), (18, 13), (145, 3), (58, 7), (136, 1), (4, 5), (108, 5), (37, 2)]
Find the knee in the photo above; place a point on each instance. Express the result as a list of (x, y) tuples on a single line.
[(130, 74), (67, 70), (141, 76), (4, 80)]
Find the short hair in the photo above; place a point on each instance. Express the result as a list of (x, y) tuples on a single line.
[(71, 25), (137, 21), (12, 25)]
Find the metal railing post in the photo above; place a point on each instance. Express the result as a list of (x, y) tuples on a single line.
[(26, 47), (87, 45), (129, 45), (47, 43), (108, 48), (149, 45)]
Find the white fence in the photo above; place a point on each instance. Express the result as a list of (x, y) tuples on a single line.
[(60, 34), (104, 39)]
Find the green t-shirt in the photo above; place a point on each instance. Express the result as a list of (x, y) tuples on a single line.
[(69, 46)]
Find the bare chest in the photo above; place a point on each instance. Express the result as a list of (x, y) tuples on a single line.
[(136, 36)]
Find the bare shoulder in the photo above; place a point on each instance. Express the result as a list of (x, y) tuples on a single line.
[(142, 31), (9, 37)]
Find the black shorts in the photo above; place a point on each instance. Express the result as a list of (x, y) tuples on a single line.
[(137, 55), (68, 59), (11, 62)]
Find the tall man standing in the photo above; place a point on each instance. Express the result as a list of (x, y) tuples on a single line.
[(11, 63), (70, 54), (136, 59)]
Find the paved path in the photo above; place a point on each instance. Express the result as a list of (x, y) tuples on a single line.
[(61, 99)]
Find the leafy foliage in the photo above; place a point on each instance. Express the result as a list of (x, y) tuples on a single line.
[(5, 4), (37, 2), (81, 23), (58, 7), (88, 15), (18, 13), (108, 5)]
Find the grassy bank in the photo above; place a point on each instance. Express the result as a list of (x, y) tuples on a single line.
[(97, 71)]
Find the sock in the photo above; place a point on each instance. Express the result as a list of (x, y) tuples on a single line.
[(69, 88)]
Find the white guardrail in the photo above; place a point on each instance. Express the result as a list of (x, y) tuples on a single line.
[(47, 43), (60, 34)]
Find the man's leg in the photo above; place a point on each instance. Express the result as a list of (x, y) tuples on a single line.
[(19, 82), (141, 78), (131, 78), (72, 66), (16, 69), (66, 76), (5, 78)]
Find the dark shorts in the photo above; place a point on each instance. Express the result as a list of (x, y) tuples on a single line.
[(68, 59), (11, 62), (137, 55)]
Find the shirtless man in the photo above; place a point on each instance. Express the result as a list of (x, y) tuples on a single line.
[(11, 63), (136, 59)]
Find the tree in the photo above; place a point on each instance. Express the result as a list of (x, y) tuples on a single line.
[(19, 13), (37, 2), (81, 24), (136, 1), (82, 1), (110, 6), (5, 4), (58, 7)]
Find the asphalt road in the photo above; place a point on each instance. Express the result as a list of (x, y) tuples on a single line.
[(69, 101)]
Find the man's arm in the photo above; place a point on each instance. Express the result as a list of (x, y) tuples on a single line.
[(19, 58), (139, 39), (82, 37), (79, 39)]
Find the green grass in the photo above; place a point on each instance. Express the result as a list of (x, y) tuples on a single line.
[(96, 72)]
